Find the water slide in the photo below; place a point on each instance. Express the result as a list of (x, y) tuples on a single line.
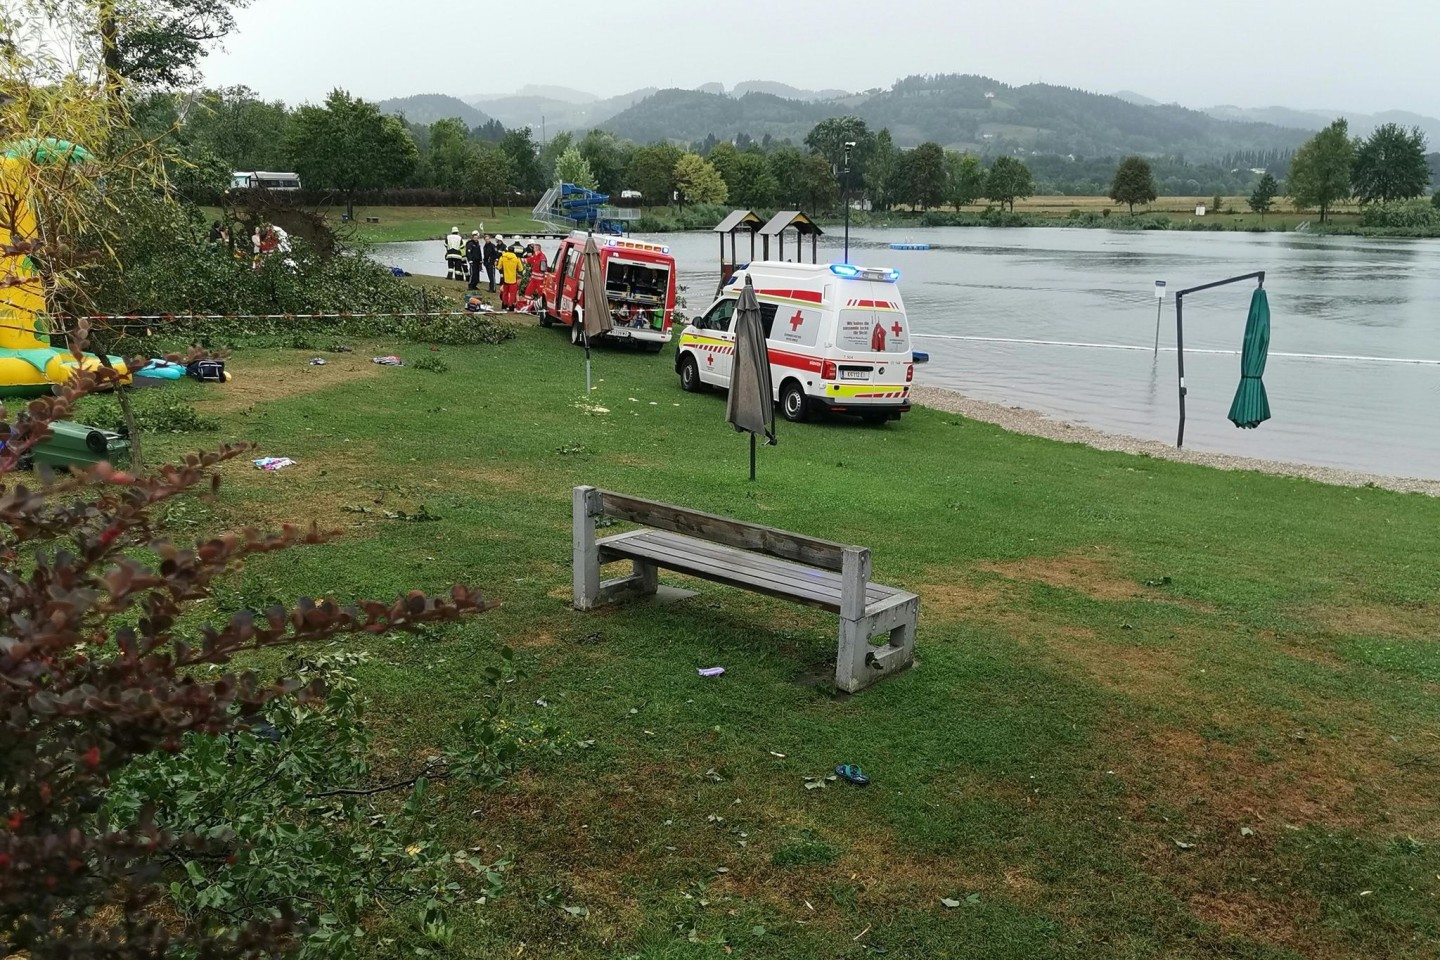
[(29, 365)]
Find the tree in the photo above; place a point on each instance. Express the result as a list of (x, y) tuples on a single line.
[(549, 155), (652, 172), (879, 174), (490, 173), (234, 124), (1391, 165), (608, 158), (1133, 183), (926, 175), (1320, 170), (698, 181), (1009, 180), (722, 157), (525, 172), (572, 167), (787, 166), (829, 136), (1264, 196), (817, 183), (964, 179), (160, 43), (448, 154), (751, 182), (348, 145)]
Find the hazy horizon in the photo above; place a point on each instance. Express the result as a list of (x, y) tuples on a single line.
[(1229, 52)]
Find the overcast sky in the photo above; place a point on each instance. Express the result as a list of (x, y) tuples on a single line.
[(1332, 54)]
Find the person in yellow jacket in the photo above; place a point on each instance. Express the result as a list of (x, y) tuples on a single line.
[(509, 265)]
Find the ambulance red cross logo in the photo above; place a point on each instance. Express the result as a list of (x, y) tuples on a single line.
[(897, 329), (797, 320)]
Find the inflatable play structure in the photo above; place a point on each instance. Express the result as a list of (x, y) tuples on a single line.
[(29, 365)]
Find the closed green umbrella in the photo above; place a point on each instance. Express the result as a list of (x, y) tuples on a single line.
[(1251, 407)]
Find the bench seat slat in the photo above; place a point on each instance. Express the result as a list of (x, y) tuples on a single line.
[(735, 567)]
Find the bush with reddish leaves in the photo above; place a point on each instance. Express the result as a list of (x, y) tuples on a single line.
[(105, 669)]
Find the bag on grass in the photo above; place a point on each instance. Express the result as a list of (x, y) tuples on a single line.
[(207, 371)]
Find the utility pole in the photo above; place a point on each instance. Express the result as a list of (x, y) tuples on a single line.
[(845, 195)]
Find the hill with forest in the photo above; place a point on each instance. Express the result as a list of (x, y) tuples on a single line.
[(426, 108), (962, 112), (556, 108)]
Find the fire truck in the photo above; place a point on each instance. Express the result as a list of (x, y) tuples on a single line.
[(639, 286)]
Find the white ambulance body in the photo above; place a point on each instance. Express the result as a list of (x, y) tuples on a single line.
[(837, 337)]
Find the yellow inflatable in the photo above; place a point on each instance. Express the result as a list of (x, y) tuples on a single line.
[(29, 365)]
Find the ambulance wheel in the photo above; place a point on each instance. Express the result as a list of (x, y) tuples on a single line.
[(793, 406), (575, 336), (544, 312), (690, 375)]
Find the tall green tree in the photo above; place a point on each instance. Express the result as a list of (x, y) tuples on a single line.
[(818, 186), (1133, 183), (1320, 170), (1390, 165), (549, 155), (722, 157), (751, 182), (698, 181), (787, 165), (1264, 195), (447, 154), (572, 167), (829, 136), (608, 158), (160, 43), (526, 174), (1009, 180), (349, 145), (237, 126), (652, 172), (879, 173), (927, 175), (964, 179), (490, 173)]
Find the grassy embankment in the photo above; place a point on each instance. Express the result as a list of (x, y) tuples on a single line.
[(1161, 711)]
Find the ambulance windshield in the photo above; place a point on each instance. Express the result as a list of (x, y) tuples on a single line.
[(873, 331)]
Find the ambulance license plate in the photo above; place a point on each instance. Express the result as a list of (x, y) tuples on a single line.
[(854, 374)]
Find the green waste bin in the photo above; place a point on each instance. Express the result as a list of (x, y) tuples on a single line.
[(76, 445)]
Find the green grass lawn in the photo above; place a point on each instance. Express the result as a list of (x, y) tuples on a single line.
[(1160, 711)]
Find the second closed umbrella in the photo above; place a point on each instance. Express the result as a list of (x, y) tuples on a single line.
[(1251, 406), (750, 405)]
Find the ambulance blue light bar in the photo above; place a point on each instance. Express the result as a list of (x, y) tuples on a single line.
[(882, 274)]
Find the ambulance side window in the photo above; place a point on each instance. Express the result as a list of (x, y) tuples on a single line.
[(719, 316), (767, 317)]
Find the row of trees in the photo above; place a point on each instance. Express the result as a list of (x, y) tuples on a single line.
[(347, 145), (1387, 166), (1331, 167)]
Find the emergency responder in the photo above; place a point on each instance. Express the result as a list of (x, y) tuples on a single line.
[(454, 255), (474, 258), (509, 267)]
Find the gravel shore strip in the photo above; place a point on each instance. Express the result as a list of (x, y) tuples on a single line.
[(1020, 420)]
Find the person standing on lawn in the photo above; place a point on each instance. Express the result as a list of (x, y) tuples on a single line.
[(491, 255), (474, 258), (454, 255), (509, 266), (537, 263)]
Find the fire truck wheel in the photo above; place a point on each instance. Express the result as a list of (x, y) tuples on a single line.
[(792, 402), (575, 336), (690, 376), (544, 312)]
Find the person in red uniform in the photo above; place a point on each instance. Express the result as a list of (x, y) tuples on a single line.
[(537, 263)]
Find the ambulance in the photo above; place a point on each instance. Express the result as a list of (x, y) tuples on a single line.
[(837, 337), (639, 286)]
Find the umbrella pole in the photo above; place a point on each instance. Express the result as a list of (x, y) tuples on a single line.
[(586, 338), (752, 456)]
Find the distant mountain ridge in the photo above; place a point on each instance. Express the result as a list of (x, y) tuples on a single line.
[(426, 108), (961, 112)]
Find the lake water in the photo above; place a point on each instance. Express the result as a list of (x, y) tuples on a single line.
[(1080, 298)]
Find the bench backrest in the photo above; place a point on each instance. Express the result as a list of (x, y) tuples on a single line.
[(824, 554)]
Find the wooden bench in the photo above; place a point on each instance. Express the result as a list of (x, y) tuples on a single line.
[(819, 573)]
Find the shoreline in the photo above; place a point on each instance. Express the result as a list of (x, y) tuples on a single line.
[(1035, 424)]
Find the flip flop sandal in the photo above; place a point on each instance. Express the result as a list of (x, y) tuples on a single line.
[(851, 773)]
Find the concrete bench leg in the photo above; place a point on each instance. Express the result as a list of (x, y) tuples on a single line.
[(643, 581), (858, 663)]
